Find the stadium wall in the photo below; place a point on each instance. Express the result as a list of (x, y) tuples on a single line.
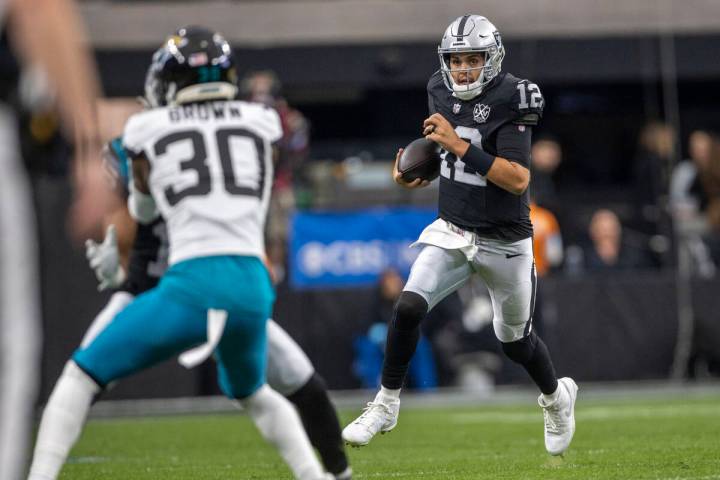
[(599, 328)]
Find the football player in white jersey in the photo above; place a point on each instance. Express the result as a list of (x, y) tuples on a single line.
[(46, 35), (203, 162), (131, 260)]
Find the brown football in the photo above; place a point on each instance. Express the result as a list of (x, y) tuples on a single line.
[(420, 159)]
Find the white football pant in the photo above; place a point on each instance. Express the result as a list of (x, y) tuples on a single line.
[(450, 256)]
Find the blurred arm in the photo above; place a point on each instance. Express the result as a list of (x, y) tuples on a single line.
[(50, 34), (141, 204), (126, 229)]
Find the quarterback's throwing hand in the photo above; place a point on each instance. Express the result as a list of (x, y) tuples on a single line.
[(397, 176), (439, 130)]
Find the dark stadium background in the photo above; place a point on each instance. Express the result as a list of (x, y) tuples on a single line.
[(368, 96)]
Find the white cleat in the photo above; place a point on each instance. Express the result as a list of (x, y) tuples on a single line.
[(380, 415), (560, 417)]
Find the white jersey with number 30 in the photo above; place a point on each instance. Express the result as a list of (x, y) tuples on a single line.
[(211, 173)]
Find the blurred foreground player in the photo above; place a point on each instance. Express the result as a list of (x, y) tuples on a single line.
[(144, 249), (203, 162), (483, 119), (45, 35)]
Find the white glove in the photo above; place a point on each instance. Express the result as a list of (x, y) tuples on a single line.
[(104, 258)]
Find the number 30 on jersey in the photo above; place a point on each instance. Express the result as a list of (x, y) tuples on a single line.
[(198, 162)]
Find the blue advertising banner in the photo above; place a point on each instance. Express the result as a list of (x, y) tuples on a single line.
[(350, 249)]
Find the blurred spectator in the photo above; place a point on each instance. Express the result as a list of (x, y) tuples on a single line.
[(370, 348), (546, 156), (710, 181), (655, 156), (264, 87), (547, 240), (609, 249), (548, 251), (691, 185), (687, 192), (293, 149)]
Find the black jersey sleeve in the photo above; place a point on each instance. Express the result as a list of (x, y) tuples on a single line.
[(434, 84), (527, 103), (431, 104), (513, 143)]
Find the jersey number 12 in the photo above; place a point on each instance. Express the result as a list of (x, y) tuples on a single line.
[(456, 170)]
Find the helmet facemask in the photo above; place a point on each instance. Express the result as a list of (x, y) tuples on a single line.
[(154, 89), (471, 34)]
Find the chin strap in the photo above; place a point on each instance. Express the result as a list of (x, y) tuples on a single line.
[(467, 94)]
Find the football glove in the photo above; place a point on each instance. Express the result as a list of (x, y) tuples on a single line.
[(104, 258)]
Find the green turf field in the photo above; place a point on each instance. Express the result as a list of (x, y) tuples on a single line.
[(640, 439)]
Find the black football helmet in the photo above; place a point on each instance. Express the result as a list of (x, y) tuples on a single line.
[(194, 64)]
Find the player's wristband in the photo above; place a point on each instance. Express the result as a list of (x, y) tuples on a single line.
[(119, 277), (141, 205), (479, 160)]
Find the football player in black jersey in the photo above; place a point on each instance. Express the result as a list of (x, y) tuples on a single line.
[(482, 118)]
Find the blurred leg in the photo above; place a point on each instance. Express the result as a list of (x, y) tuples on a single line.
[(62, 421), (321, 423), (290, 373), (133, 340), (279, 424), (19, 308), (242, 357)]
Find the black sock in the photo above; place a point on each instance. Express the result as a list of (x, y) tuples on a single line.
[(321, 423), (402, 338), (531, 353)]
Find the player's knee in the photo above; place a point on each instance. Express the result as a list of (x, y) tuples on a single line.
[(521, 351), (410, 309), (78, 375), (76, 368), (311, 390), (241, 389), (509, 328)]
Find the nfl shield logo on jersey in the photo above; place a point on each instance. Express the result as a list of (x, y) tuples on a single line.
[(481, 112), (456, 108)]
